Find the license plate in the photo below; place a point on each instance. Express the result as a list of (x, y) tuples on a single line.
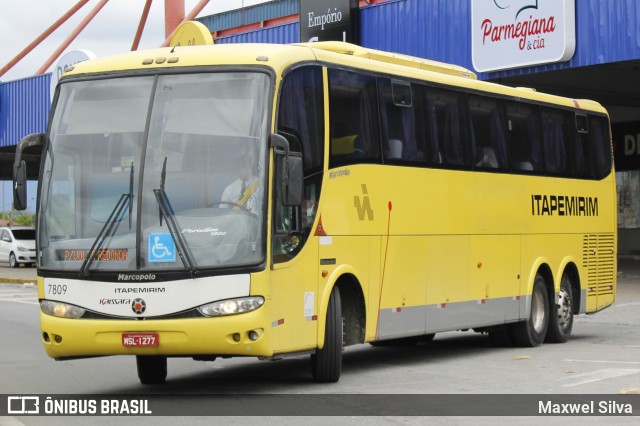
[(140, 339)]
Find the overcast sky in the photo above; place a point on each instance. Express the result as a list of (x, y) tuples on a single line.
[(111, 31)]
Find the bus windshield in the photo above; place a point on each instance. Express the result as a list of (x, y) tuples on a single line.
[(129, 157)]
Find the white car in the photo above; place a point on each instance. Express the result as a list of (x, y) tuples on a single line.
[(18, 245)]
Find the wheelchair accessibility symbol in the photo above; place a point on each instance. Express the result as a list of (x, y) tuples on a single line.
[(162, 248)]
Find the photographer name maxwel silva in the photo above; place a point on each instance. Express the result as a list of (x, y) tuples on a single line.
[(590, 407)]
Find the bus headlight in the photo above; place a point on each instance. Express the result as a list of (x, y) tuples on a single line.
[(61, 310), (231, 306)]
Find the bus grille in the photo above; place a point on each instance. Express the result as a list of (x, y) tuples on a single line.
[(598, 258)]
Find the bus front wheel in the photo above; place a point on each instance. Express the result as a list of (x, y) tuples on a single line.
[(152, 370), (532, 331), (326, 363)]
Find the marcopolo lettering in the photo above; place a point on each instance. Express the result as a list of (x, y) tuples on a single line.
[(136, 277), (322, 20), (563, 205)]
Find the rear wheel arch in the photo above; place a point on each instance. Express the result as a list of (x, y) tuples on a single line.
[(533, 329), (571, 270)]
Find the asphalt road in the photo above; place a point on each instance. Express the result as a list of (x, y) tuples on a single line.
[(602, 358)]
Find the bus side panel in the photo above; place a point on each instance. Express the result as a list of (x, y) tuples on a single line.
[(404, 287), (447, 283), (295, 300), (495, 278)]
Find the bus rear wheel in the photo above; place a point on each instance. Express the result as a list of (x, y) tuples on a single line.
[(152, 370), (532, 331), (561, 318), (326, 363)]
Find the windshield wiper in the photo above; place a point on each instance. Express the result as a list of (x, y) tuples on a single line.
[(166, 211), (110, 226)]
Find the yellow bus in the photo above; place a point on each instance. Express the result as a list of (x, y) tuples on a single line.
[(270, 200)]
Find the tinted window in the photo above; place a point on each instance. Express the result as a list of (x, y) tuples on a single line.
[(488, 132), (301, 121), (558, 129), (300, 118), (582, 148), (447, 127), (353, 111), (24, 234), (600, 140), (524, 135), (402, 121)]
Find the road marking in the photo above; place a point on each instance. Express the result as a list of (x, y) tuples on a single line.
[(599, 375), (13, 290), (601, 361), (20, 301), (11, 421), (624, 305), (5, 295)]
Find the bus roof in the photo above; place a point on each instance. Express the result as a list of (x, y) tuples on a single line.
[(279, 57), (392, 58)]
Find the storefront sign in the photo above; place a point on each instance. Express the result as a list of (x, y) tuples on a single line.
[(519, 33), (329, 20), (626, 145)]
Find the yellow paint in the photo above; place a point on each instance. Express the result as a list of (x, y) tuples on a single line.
[(191, 33), (408, 236)]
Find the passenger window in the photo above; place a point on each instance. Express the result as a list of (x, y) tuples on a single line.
[(582, 148), (523, 128), (353, 111), (558, 129), (403, 139), (600, 141), (488, 133), (447, 127)]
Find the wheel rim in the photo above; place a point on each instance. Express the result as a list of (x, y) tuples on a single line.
[(537, 311), (564, 308), (12, 260)]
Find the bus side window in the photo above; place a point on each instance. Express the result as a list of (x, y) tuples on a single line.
[(582, 149), (558, 128), (523, 126), (488, 132), (353, 111), (403, 139), (301, 122), (600, 142), (446, 117)]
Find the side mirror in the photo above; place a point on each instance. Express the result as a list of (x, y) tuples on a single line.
[(20, 169), (290, 175), (292, 186), (20, 186)]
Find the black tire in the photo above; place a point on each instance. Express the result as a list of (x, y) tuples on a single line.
[(13, 262), (152, 370), (561, 318), (532, 331), (326, 363)]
